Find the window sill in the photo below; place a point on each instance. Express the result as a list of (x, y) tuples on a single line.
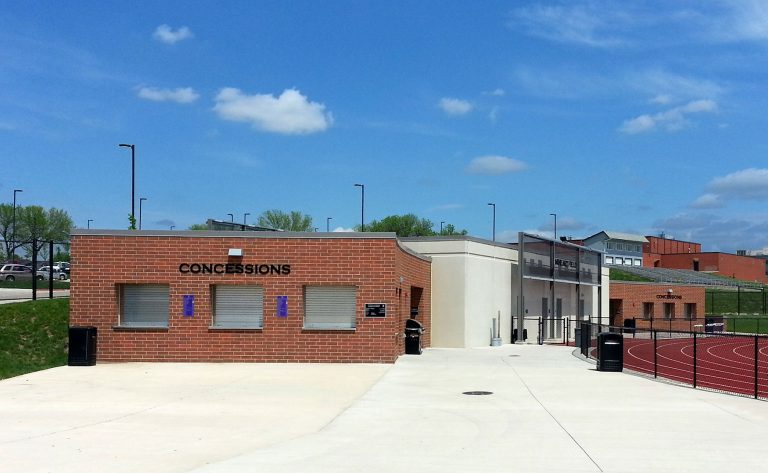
[(235, 329), (316, 329), (136, 328)]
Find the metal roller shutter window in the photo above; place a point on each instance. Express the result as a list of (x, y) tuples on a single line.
[(330, 307), (238, 306), (144, 305)]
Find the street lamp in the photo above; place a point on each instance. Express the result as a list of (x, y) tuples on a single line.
[(441, 227), (133, 177), (173, 226), (555, 215), (231, 218), (88, 224), (13, 238), (328, 224), (141, 199), (245, 217), (362, 207), (494, 219)]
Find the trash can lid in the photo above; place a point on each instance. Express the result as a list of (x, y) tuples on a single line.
[(412, 324)]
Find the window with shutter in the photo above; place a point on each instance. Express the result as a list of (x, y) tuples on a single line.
[(238, 306), (330, 307), (144, 305)]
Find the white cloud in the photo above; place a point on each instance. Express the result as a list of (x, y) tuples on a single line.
[(493, 115), (167, 35), (717, 233), (290, 113), (743, 20), (497, 92), (673, 119), (445, 207), (665, 85), (587, 25), (749, 184), (495, 165), (455, 106), (707, 201), (179, 95), (662, 99), (343, 230)]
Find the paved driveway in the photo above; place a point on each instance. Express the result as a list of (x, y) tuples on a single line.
[(549, 412)]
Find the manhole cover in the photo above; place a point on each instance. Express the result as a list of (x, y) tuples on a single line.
[(477, 393)]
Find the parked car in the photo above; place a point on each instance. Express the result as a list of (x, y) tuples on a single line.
[(63, 266), (12, 272), (44, 271)]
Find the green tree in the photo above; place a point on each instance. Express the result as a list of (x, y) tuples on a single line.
[(131, 222), (6, 229), (290, 222), (198, 226), (38, 225), (451, 230), (404, 225)]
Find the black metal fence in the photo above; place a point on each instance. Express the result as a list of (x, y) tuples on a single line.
[(716, 361), (35, 285)]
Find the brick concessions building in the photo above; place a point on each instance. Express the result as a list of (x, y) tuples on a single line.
[(247, 296), (660, 302)]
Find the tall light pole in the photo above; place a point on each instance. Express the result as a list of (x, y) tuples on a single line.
[(141, 199), (13, 238), (245, 217), (494, 219), (555, 215), (362, 207), (231, 218), (173, 226), (88, 224), (133, 177), (328, 224), (441, 227)]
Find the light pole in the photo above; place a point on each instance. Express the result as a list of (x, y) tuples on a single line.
[(328, 224), (441, 227), (555, 215), (13, 238), (133, 177), (245, 217), (141, 199), (173, 226), (88, 224), (494, 219), (362, 207), (231, 218)]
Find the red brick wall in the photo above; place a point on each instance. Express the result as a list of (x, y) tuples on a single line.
[(102, 262), (666, 246), (632, 297), (724, 264)]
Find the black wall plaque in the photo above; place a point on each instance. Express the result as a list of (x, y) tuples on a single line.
[(376, 310)]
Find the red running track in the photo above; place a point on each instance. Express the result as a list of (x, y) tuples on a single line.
[(723, 362)]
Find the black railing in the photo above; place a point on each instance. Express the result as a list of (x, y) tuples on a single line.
[(717, 361)]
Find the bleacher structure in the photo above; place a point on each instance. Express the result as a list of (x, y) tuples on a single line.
[(686, 276)]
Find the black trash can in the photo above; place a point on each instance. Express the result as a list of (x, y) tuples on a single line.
[(82, 346), (629, 326), (413, 332), (610, 351), (577, 336)]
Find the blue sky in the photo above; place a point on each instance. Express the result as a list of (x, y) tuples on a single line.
[(638, 117)]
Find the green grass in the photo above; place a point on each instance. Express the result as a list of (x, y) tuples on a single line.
[(747, 324), (33, 336), (619, 275), (28, 284), (719, 301)]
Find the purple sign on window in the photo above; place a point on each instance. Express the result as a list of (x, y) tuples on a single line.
[(189, 305), (282, 306)]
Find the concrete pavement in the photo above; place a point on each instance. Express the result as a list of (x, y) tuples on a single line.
[(549, 411)]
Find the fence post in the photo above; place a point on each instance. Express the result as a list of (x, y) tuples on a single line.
[(694, 360), (756, 353), (50, 270), (34, 269), (655, 359)]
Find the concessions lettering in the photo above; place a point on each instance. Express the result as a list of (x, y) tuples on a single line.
[(669, 296), (235, 268)]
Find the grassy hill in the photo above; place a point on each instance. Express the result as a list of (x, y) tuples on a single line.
[(33, 336)]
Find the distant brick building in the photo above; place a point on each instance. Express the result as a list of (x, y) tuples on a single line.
[(661, 302)]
